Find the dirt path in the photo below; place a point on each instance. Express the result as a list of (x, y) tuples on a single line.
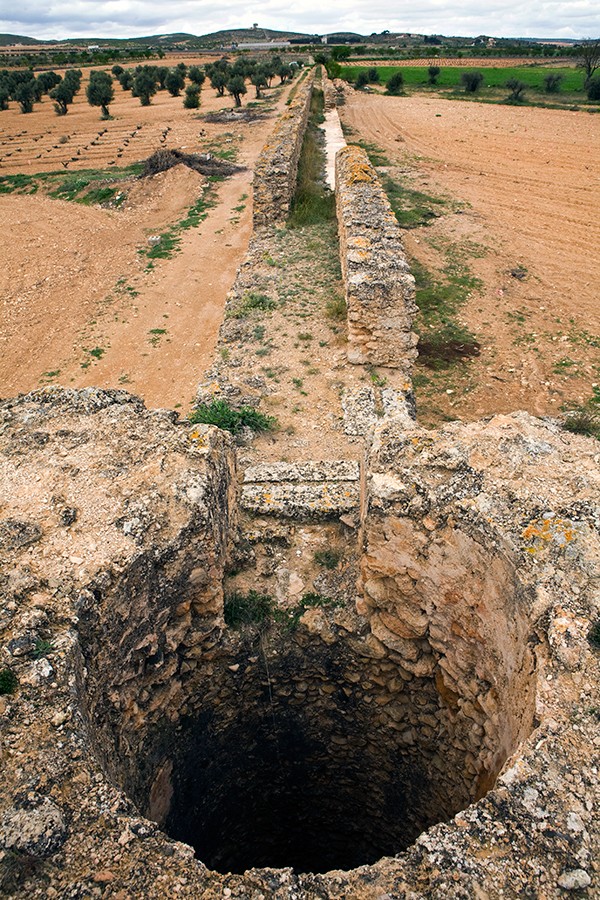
[(78, 305), (184, 298), (529, 179)]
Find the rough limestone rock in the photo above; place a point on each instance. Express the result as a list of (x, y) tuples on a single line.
[(380, 290), (303, 491), (277, 166), (466, 659)]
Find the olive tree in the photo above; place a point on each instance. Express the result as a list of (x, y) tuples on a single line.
[(589, 57), (192, 97), (395, 84), (174, 82), (471, 81), (236, 86), (144, 86), (100, 91)]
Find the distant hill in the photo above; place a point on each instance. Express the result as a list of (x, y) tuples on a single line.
[(225, 37), (240, 35), (229, 36), (7, 39)]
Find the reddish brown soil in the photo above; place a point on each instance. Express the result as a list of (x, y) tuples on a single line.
[(72, 278), (526, 179)]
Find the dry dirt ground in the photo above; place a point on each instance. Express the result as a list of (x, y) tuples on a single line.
[(523, 193), (523, 188), (72, 279)]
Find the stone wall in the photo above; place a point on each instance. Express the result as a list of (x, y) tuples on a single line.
[(277, 166), (329, 735), (379, 287)]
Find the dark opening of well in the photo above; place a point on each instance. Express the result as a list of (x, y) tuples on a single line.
[(274, 796)]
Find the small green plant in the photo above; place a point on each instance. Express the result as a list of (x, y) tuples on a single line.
[(563, 365), (583, 420), (375, 153), (377, 379), (96, 352), (251, 301), (99, 196), (309, 600), (221, 414), (8, 681), (42, 648), (248, 609), (336, 308), (412, 208), (471, 81), (329, 559), (156, 334)]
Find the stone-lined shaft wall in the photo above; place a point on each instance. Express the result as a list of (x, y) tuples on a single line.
[(323, 740), (277, 166), (379, 288)]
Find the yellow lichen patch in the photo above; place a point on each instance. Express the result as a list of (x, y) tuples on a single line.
[(197, 437), (543, 532), (360, 172)]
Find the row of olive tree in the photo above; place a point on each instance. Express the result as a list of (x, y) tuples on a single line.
[(24, 88), (143, 81)]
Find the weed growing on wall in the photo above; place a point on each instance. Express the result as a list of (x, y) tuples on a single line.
[(221, 414)]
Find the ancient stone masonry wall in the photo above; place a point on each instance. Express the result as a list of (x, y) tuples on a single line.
[(334, 92), (481, 547), (379, 287), (277, 166), (330, 737)]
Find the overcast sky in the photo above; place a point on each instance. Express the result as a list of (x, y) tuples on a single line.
[(130, 18)]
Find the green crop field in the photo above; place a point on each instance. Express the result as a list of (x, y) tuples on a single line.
[(533, 76)]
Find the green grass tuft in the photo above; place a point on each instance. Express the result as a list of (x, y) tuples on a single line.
[(313, 201), (248, 609), (8, 682), (221, 414), (583, 421), (251, 301), (412, 208)]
